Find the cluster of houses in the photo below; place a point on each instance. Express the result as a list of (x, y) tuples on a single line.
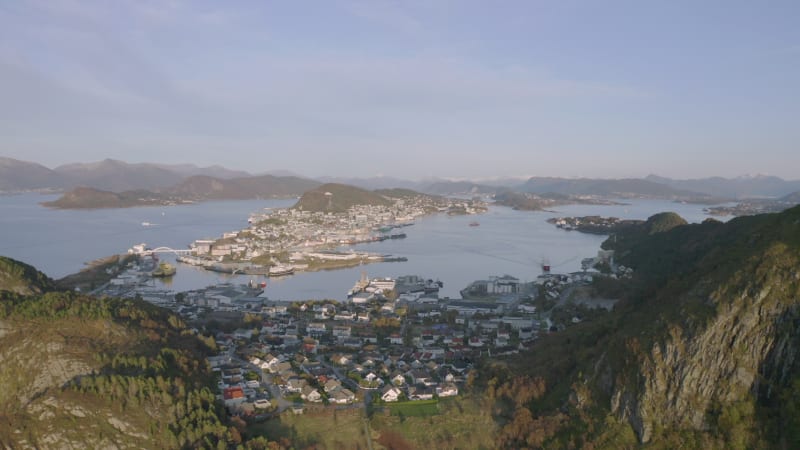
[(327, 352), (297, 233)]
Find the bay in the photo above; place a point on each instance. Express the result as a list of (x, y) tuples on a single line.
[(516, 243)]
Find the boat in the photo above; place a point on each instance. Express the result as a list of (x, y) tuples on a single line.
[(147, 224), (164, 269), (277, 271), (474, 224)]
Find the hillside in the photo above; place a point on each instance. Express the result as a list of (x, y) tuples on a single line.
[(793, 198), (81, 372), (334, 197), (188, 170), (461, 187), (403, 193), (20, 278), (374, 183), (700, 353), (263, 186), (117, 176)]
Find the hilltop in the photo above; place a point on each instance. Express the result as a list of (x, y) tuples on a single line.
[(338, 198), (699, 353)]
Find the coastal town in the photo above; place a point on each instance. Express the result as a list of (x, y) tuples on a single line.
[(286, 240), (389, 341)]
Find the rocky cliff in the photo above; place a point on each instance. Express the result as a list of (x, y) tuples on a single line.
[(717, 334), (702, 351)]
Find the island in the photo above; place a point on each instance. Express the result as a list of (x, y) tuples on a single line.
[(526, 201)]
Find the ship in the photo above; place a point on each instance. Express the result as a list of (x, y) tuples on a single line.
[(164, 269), (474, 224)]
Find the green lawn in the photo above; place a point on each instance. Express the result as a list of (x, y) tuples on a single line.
[(418, 408)]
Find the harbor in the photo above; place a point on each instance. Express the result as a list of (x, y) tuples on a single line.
[(446, 247)]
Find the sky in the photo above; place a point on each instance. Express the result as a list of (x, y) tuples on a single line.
[(412, 89)]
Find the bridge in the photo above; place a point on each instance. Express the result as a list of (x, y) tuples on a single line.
[(141, 249), (171, 250)]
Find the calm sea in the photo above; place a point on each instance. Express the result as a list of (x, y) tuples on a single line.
[(439, 247)]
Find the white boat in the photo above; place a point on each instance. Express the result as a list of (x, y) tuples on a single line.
[(276, 271)]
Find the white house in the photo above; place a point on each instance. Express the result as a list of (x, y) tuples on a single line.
[(391, 394), (342, 396), (447, 390), (310, 394)]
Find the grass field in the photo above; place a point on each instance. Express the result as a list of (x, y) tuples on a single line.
[(326, 430), (452, 423), (461, 423), (419, 408)]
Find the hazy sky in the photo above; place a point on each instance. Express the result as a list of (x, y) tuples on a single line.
[(407, 88)]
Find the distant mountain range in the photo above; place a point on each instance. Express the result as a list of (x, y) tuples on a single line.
[(108, 175), (735, 188), (627, 187), (208, 182)]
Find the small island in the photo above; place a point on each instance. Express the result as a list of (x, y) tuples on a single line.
[(594, 224)]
